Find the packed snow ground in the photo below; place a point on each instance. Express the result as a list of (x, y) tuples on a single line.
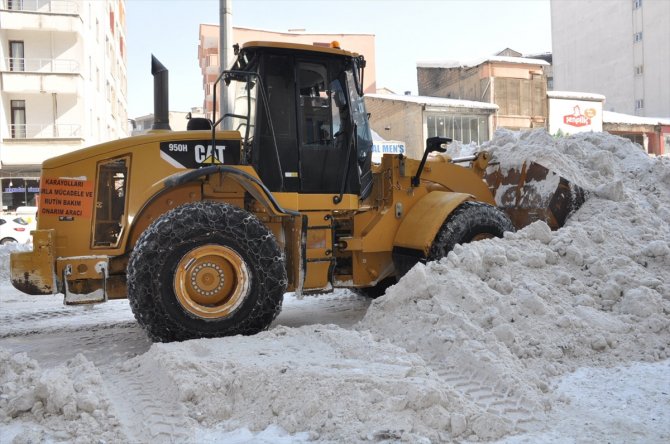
[(537, 337)]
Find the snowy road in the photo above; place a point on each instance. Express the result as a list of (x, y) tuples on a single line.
[(52, 333), (621, 404)]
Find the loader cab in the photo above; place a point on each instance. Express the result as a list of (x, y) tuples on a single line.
[(307, 129)]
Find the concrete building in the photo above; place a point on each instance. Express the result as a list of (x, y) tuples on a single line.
[(652, 134), (208, 52), (412, 119), (517, 85), (63, 85), (618, 48)]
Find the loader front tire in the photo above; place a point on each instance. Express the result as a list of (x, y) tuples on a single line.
[(470, 221), (205, 269)]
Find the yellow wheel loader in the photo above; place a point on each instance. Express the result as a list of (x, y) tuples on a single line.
[(204, 230)]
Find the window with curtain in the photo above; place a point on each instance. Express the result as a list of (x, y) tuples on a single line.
[(18, 119), (17, 60)]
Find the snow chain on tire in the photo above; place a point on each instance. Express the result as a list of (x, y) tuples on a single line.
[(205, 269)]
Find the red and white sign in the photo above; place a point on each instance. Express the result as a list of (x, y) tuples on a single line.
[(577, 118), (569, 116)]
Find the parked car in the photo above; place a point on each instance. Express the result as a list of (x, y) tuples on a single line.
[(28, 213), (14, 229)]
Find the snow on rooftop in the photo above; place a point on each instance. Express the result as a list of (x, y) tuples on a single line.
[(612, 117), (575, 95), (436, 101), (479, 61)]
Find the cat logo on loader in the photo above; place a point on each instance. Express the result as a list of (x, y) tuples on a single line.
[(206, 249)]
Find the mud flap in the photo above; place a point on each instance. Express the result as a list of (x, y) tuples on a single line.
[(84, 279), (534, 192)]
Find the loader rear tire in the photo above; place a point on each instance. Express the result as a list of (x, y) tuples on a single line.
[(469, 222), (205, 269)]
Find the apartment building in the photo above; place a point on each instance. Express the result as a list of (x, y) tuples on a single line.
[(208, 52), (618, 48), (63, 83)]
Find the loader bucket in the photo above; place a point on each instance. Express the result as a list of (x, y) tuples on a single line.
[(532, 192)]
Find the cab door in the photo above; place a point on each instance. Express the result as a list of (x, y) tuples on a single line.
[(322, 139)]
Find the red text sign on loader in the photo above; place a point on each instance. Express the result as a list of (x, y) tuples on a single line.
[(66, 197)]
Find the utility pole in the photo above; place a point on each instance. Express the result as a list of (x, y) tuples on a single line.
[(225, 52)]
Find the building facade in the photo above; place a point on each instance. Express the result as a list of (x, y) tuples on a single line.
[(208, 52), (618, 48), (652, 134), (517, 85), (413, 119), (63, 84)]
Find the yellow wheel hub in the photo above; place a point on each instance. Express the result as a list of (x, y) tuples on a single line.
[(211, 281), (482, 236)]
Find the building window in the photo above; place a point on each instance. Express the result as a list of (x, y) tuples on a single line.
[(637, 4), (111, 21), (18, 116), (19, 192), (639, 104), (635, 138), (637, 37), (17, 61), (15, 5), (466, 129), (639, 69)]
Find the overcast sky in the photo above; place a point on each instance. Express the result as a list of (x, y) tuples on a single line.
[(406, 31)]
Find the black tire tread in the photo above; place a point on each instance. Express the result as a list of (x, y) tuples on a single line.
[(464, 223), (150, 278)]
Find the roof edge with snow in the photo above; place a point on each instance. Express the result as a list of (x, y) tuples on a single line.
[(575, 95), (479, 61), (612, 117), (436, 101)]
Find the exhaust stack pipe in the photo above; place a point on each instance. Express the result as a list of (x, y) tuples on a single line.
[(161, 107)]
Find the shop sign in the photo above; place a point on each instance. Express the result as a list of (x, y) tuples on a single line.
[(570, 116)]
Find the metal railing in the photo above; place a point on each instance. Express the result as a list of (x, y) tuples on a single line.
[(67, 66), (44, 131), (41, 6)]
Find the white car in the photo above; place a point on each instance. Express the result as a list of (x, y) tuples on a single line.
[(14, 229)]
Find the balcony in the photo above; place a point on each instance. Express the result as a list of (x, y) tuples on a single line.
[(44, 131), (41, 6), (54, 66), (40, 15), (40, 75)]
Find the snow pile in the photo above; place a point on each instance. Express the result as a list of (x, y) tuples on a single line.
[(512, 313), (70, 393), (339, 385)]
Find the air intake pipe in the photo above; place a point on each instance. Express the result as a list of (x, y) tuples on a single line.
[(161, 107)]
